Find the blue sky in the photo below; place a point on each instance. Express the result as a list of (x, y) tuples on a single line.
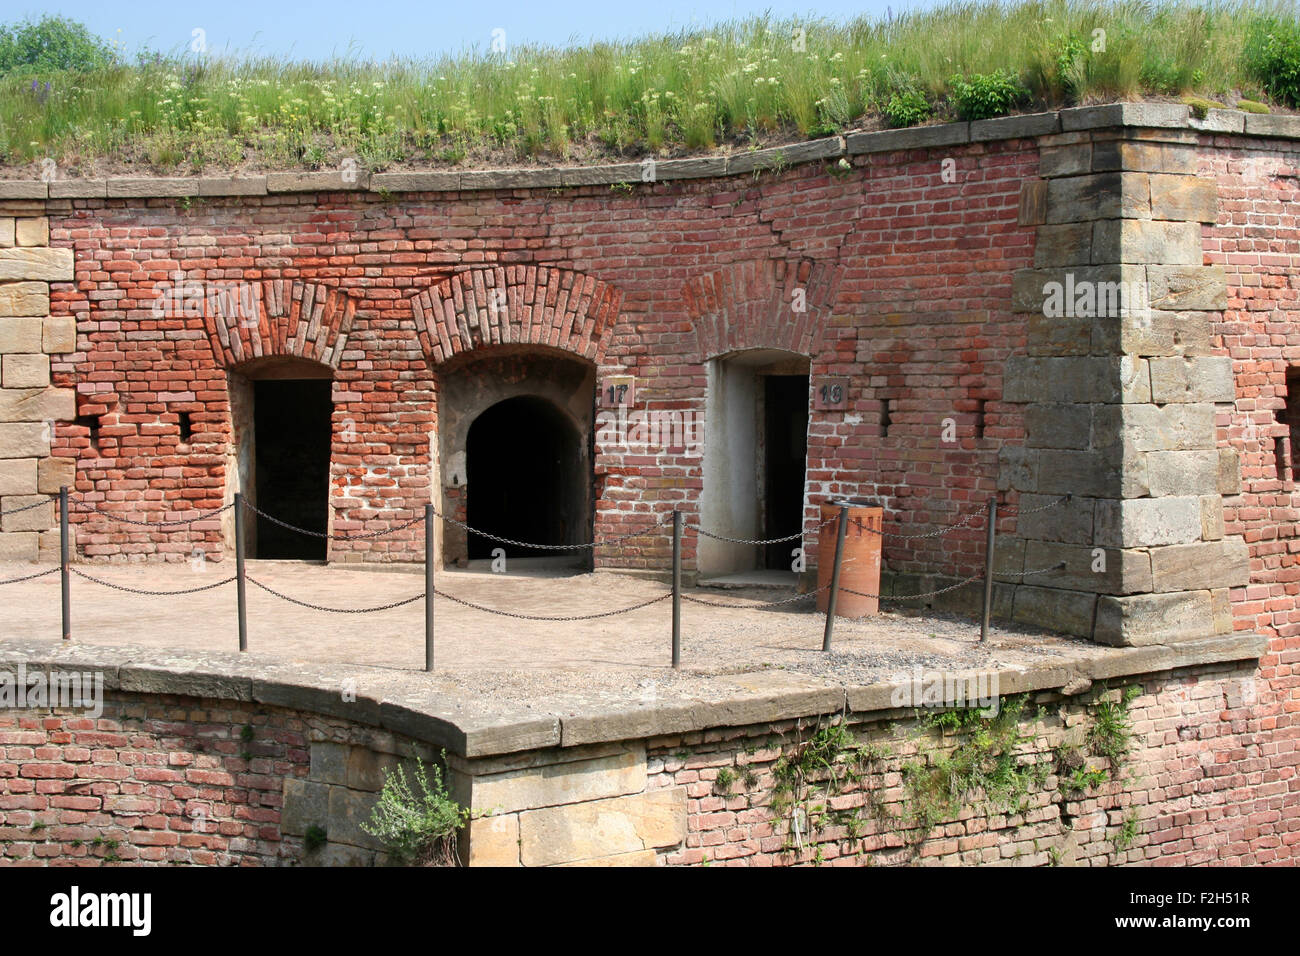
[(378, 28)]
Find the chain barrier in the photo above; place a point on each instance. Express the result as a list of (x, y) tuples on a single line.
[(663, 519), (325, 534), (541, 617), (35, 504), (431, 591), (129, 590), (334, 610), (750, 607), (152, 524), (31, 577)]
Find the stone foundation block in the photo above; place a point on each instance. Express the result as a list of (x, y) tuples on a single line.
[(603, 828), (1142, 619)]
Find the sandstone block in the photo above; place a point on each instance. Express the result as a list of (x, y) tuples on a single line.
[(306, 804), (1183, 198), (1056, 609), (24, 440), (20, 335), (32, 231), (1057, 426), (24, 370), (37, 404), (348, 809), (1182, 472), (1193, 287), (38, 264), (54, 473), (1101, 196), (555, 784), (37, 519), (1199, 378), (24, 298), (1147, 241), (493, 841), (1208, 564), (17, 476), (58, 334), (603, 828), (1229, 472), (1143, 522), (6, 232), (1143, 619), (19, 545), (1096, 569)]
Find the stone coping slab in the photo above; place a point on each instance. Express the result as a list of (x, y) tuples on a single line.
[(1153, 116), (476, 725)]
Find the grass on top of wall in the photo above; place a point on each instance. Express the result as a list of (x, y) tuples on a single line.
[(741, 84)]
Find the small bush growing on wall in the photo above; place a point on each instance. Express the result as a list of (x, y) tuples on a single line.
[(984, 96), (907, 107), (417, 828)]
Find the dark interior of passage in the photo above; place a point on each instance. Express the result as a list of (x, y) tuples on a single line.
[(292, 425), (785, 440), (523, 465)]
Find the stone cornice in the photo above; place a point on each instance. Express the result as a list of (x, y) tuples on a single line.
[(1164, 116)]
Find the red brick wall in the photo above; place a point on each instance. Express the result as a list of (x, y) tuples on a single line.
[(1208, 781), (1256, 240), (909, 297), (152, 780)]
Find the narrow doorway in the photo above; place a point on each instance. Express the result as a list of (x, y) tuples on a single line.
[(291, 422), (785, 439), (525, 478), (755, 465)]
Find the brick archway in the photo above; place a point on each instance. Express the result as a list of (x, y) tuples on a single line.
[(755, 305), (277, 317), (516, 305)]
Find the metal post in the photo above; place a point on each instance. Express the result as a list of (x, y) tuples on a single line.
[(63, 563), (240, 584), (428, 587), (835, 577), (677, 589), (988, 567)]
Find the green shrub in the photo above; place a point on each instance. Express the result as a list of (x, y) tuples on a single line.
[(1272, 55), (417, 828), (51, 43), (907, 107), (986, 95)]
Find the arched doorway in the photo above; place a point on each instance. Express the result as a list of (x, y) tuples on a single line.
[(282, 410), (525, 471)]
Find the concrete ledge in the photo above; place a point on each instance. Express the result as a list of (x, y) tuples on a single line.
[(149, 188), (79, 189), (23, 189), (1154, 115), (1015, 127), (417, 706), (913, 137), (1149, 116), (237, 186)]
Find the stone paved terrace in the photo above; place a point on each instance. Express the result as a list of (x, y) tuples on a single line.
[(495, 677)]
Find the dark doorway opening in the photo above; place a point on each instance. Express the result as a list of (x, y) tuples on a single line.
[(785, 440), (291, 421), (523, 470)]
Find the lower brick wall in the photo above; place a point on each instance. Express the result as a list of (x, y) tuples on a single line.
[(1210, 780), (178, 780)]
